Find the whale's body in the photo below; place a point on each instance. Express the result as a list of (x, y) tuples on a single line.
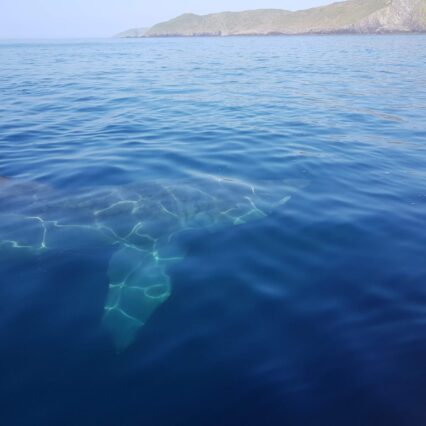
[(142, 222)]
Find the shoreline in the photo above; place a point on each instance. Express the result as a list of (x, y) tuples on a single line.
[(323, 34)]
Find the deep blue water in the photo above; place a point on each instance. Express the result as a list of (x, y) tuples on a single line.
[(314, 315)]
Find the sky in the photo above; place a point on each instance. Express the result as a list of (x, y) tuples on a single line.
[(104, 18)]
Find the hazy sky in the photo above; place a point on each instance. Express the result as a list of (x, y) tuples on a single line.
[(103, 18)]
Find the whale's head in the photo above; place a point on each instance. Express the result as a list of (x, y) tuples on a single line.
[(246, 202), (271, 195)]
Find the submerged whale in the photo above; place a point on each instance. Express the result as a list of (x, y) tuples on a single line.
[(143, 223)]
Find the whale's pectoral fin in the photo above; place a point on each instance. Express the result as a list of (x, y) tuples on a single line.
[(138, 286)]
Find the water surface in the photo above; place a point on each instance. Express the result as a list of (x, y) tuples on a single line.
[(314, 315)]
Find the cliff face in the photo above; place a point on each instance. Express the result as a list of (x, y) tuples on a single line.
[(353, 16), (398, 16)]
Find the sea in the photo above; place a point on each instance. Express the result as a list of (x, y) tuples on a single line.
[(312, 314)]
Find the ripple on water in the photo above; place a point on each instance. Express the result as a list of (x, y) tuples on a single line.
[(314, 315)]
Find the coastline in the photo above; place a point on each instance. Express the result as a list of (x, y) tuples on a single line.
[(314, 34)]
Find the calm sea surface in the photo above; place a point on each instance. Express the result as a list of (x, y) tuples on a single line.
[(313, 314)]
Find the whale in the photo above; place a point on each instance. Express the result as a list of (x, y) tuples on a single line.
[(143, 223)]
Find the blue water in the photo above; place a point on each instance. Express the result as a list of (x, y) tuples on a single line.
[(314, 315)]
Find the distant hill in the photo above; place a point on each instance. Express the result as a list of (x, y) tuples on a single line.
[(353, 16), (133, 33)]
